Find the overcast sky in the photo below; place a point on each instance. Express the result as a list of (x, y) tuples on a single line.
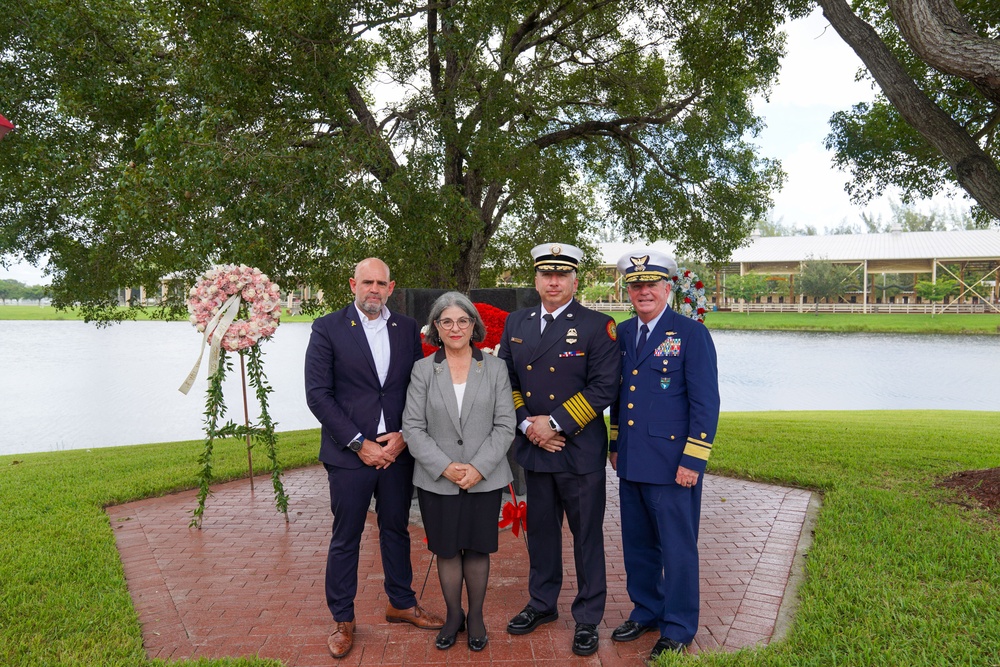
[(817, 79)]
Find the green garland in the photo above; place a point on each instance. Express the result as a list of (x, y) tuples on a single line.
[(260, 434)]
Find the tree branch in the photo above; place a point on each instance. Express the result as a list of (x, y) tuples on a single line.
[(974, 170), (384, 165), (942, 37), (620, 126)]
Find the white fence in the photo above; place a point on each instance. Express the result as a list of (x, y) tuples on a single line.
[(861, 308), (875, 308)]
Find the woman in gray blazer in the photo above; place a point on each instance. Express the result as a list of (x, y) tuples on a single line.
[(458, 424)]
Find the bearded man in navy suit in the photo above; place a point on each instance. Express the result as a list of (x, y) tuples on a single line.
[(357, 370), (662, 429)]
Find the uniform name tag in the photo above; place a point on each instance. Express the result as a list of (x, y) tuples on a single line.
[(516, 340)]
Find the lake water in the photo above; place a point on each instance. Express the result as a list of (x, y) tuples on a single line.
[(70, 385)]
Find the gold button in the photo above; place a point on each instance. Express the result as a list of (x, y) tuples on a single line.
[(552, 397), (632, 388), (631, 423), (704, 435), (630, 406), (671, 437), (529, 367), (635, 371), (527, 394), (552, 369)]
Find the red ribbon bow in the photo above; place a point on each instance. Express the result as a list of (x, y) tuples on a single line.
[(515, 516)]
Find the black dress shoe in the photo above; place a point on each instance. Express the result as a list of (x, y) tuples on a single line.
[(444, 642), (666, 645), (630, 631), (585, 639), (478, 643), (529, 619)]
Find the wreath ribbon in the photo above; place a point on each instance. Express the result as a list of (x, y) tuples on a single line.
[(515, 516), (216, 328)]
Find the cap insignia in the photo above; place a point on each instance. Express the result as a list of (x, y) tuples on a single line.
[(640, 262)]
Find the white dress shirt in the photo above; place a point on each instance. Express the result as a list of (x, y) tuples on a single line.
[(377, 333)]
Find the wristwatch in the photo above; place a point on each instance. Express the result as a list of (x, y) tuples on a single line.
[(552, 424), (355, 445)]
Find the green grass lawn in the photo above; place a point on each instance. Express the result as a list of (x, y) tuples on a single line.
[(898, 573), (852, 322), (948, 323)]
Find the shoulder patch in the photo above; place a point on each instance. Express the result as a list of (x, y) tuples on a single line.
[(612, 330)]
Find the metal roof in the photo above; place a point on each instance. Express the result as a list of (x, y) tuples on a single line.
[(954, 245)]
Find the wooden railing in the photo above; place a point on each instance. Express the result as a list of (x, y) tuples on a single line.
[(873, 308)]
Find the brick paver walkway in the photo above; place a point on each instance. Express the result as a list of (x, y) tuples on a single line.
[(250, 584)]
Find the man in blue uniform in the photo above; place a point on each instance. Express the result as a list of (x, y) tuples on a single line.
[(564, 371), (662, 428)]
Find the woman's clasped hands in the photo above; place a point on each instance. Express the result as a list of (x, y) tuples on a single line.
[(464, 475)]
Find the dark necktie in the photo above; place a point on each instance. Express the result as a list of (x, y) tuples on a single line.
[(643, 333), (548, 320)]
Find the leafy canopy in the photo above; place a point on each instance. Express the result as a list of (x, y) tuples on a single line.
[(156, 138), (822, 279), (748, 287)]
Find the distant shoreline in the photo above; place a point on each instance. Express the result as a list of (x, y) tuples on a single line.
[(946, 323)]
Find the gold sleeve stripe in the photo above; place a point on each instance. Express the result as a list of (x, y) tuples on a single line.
[(699, 442), (518, 400), (696, 451), (614, 432), (579, 409)]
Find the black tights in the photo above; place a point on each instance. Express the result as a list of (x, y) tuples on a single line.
[(474, 568)]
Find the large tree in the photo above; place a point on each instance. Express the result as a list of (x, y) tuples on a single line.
[(158, 136), (937, 120)]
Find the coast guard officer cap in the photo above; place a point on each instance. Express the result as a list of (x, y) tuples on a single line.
[(646, 265), (559, 257)]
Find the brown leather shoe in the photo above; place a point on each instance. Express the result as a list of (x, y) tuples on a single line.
[(418, 616), (341, 641)]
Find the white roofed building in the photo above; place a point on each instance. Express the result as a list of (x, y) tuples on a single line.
[(971, 257)]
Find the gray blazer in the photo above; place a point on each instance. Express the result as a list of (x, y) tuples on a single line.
[(436, 435)]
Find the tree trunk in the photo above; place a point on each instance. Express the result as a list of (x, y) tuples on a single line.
[(974, 170), (942, 37)]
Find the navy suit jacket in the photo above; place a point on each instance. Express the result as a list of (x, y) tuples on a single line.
[(342, 386), (668, 407), (571, 371)]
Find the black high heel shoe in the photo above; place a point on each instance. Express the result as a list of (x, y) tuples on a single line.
[(445, 642), (478, 643)]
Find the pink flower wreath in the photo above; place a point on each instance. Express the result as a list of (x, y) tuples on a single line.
[(217, 285)]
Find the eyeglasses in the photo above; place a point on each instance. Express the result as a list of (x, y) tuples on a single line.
[(461, 323)]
